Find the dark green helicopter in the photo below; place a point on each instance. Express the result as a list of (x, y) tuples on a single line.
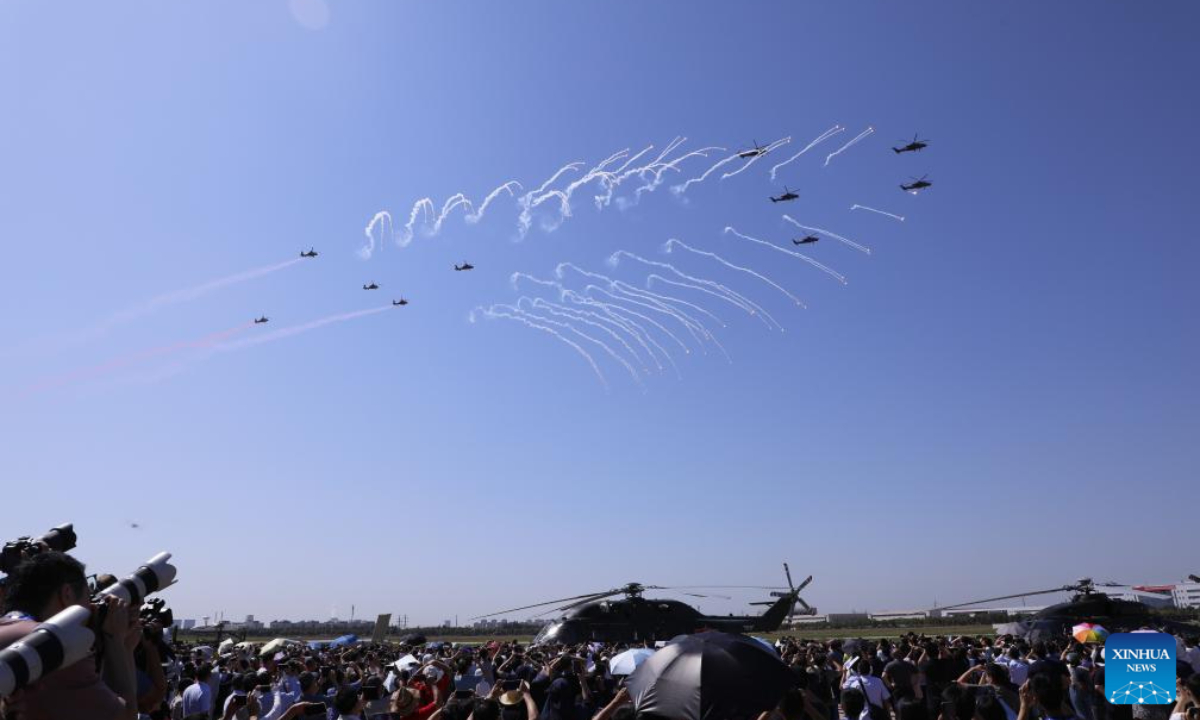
[(1087, 605), (594, 616)]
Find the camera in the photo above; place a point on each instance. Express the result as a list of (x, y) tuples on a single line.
[(60, 641), (61, 538), (156, 611)]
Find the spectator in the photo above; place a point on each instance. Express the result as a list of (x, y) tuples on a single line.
[(41, 587), (198, 697)]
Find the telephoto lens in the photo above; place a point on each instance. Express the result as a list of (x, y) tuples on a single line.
[(61, 641), (155, 575)]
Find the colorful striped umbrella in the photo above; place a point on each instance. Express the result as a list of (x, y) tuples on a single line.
[(1089, 633)]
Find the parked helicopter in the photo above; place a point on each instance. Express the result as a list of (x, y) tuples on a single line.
[(594, 616), (1087, 604)]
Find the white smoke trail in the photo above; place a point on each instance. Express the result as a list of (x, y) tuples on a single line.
[(756, 158), (492, 313), (620, 175), (506, 187), (554, 309), (666, 304), (848, 241), (452, 202), (878, 212), (835, 274), (672, 242), (669, 299), (658, 168), (576, 298), (818, 140), (525, 219), (697, 329), (681, 189), (404, 237), (564, 195), (719, 290), (848, 145), (293, 330), (600, 320), (588, 289), (382, 219), (568, 326)]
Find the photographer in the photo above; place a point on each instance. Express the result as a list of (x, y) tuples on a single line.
[(43, 586)]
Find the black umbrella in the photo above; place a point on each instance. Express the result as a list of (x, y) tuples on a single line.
[(413, 639), (709, 676)]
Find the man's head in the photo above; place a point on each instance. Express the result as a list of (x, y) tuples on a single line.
[(47, 584), (853, 702), (348, 701), (203, 673)]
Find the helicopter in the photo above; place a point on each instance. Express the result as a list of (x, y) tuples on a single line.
[(261, 320), (1087, 604), (594, 616), (464, 266), (786, 196), (758, 150), (914, 146), (312, 253), (918, 184), (372, 286), (806, 240)]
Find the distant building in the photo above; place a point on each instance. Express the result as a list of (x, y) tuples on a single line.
[(1186, 595), (1151, 599), (187, 624), (899, 615)]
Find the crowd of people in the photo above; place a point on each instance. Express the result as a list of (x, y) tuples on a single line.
[(133, 674)]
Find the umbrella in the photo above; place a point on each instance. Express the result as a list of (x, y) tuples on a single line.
[(1089, 633), (766, 643), (711, 675), (625, 663), (408, 662), (276, 645)]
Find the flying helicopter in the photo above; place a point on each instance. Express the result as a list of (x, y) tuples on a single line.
[(758, 150), (464, 266), (914, 146), (806, 240), (1087, 604), (261, 320), (786, 196), (917, 184), (401, 301), (311, 253), (594, 616), (372, 286)]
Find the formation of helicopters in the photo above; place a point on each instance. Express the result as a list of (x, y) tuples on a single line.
[(757, 150), (788, 195), (312, 253)]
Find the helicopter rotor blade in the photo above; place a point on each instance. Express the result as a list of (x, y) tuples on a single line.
[(804, 584), (723, 597), (806, 605), (788, 572), (548, 602), (1064, 588)]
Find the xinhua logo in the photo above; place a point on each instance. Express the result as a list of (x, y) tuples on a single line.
[(1139, 668)]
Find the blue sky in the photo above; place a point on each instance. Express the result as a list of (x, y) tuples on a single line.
[(1003, 389)]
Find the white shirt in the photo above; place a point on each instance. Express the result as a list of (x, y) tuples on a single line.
[(871, 686), (197, 698), (283, 701), (1018, 672)]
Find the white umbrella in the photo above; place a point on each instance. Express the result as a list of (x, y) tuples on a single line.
[(225, 645), (276, 645), (625, 663), (408, 662)]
